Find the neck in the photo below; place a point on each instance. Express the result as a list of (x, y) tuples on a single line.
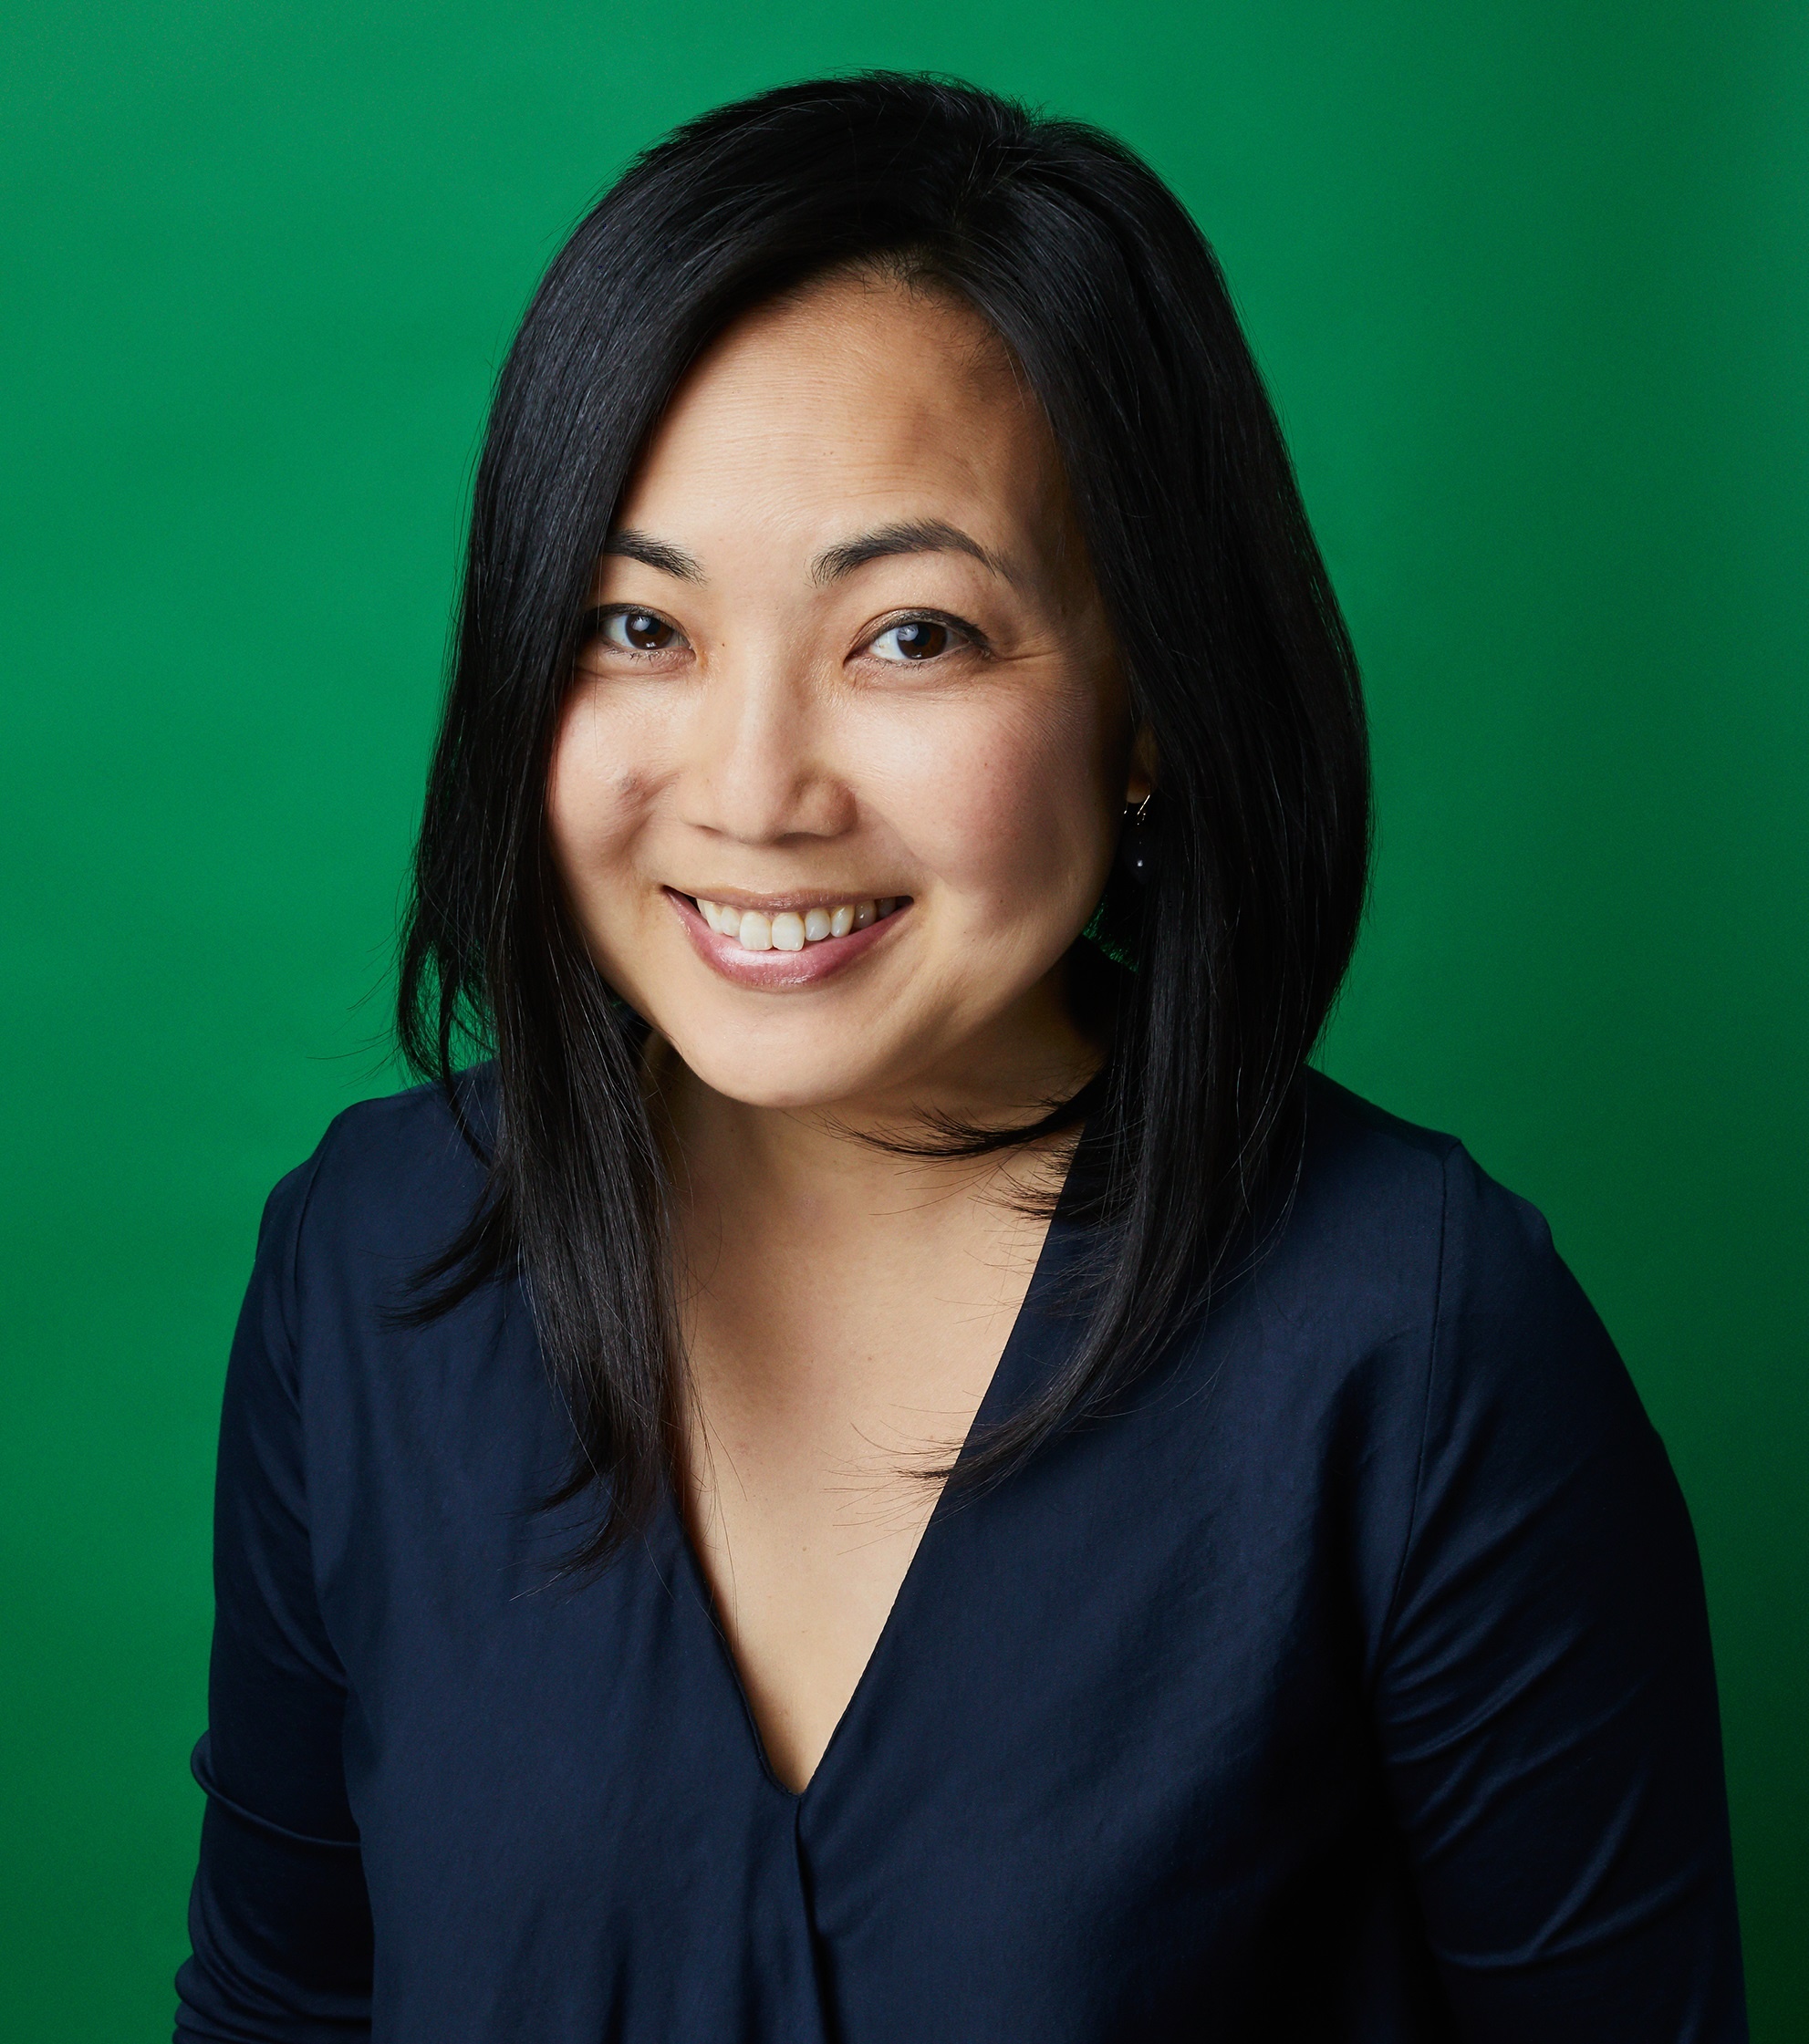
[(826, 1170)]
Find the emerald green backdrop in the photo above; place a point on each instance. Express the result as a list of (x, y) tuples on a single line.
[(1529, 283)]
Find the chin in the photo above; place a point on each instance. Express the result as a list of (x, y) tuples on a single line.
[(800, 1079)]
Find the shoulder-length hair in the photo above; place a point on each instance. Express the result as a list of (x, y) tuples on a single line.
[(1237, 659)]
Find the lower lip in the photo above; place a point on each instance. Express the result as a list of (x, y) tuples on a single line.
[(779, 971)]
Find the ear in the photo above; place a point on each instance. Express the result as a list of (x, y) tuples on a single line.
[(1140, 781)]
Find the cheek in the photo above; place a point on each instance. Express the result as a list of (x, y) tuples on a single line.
[(1009, 806), (594, 800)]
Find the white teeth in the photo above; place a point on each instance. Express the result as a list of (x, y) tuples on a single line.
[(788, 930)]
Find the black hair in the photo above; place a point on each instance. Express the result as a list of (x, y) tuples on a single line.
[(1237, 660)]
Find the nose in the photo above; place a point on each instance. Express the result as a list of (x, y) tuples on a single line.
[(760, 770)]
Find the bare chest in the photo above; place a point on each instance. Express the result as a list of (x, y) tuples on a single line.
[(821, 1411)]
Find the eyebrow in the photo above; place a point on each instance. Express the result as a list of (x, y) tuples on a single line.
[(911, 536), (908, 535), (652, 553)]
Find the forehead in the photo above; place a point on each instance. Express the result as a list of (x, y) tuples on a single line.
[(850, 397)]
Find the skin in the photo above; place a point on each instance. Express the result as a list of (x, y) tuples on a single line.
[(751, 725)]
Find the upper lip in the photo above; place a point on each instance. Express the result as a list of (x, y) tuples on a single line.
[(798, 901)]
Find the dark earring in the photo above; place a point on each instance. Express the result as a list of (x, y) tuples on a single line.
[(1136, 844)]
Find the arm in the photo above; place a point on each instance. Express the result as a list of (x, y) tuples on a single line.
[(1545, 1696), (279, 1920)]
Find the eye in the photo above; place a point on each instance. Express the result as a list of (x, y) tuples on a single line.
[(628, 630), (917, 639)]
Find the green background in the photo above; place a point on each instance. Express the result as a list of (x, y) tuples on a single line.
[(1529, 283)]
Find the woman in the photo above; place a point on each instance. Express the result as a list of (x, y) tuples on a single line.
[(886, 1464)]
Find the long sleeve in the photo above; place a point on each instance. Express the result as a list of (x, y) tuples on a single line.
[(1545, 1694), (279, 1920), (1110, 1773)]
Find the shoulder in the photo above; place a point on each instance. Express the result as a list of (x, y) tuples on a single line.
[(1407, 1211), (1451, 1285), (1363, 1240), (1411, 1294), (1358, 1157), (1413, 1338), (421, 1144), (1396, 1272), (392, 1182)]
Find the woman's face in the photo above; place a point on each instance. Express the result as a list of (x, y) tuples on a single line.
[(839, 780)]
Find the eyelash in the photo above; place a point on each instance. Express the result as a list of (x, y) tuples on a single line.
[(595, 623), (968, 635)]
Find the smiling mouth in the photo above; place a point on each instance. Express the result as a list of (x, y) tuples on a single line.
[(794, 930)]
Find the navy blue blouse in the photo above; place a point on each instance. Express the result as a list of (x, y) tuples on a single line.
[(1350, 1682)]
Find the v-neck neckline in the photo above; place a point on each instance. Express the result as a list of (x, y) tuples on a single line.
[(1002, 1389)]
